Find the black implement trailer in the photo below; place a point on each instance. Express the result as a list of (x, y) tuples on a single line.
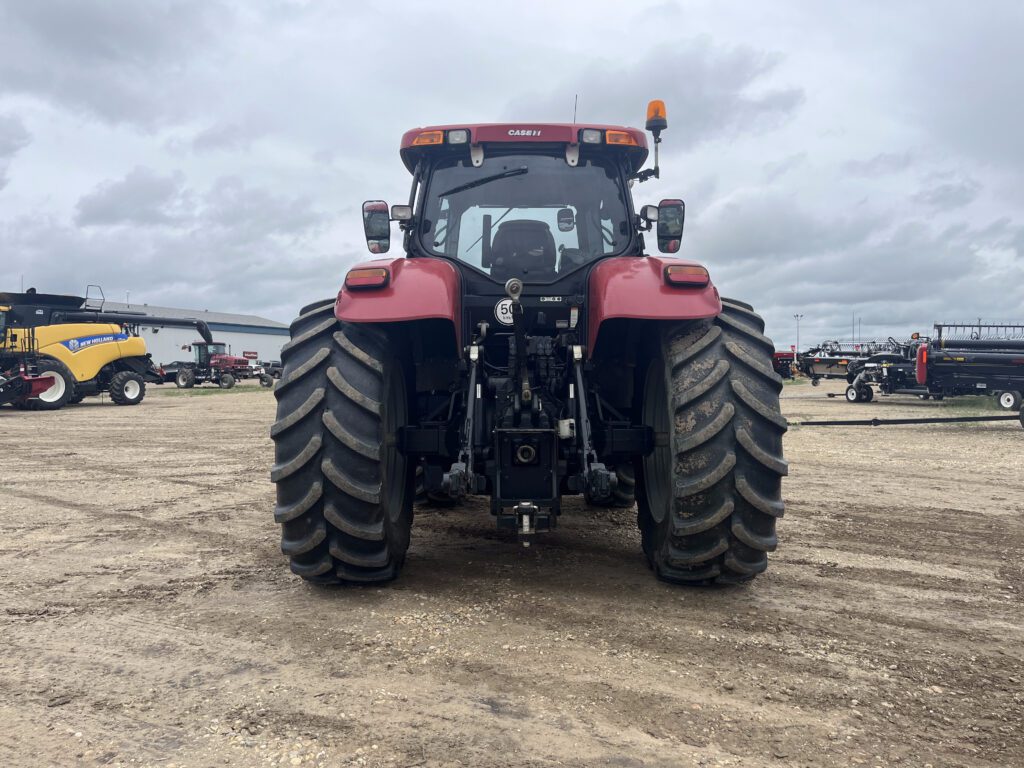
[(980, 364)]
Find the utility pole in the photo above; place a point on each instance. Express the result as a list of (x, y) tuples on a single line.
[(798, 318)]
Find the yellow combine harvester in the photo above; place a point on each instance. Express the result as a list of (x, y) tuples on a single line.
[(87, 351)]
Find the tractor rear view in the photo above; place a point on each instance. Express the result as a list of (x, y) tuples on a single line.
[(526, 348)]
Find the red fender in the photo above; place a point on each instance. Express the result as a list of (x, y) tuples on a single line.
[(635, 287), (417, 289)]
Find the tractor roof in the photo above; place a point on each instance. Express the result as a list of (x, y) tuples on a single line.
[(420, 141)]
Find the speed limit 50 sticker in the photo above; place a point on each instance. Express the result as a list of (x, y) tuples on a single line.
[(503, 311)]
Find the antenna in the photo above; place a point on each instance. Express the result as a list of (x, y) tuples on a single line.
[(575, 102)]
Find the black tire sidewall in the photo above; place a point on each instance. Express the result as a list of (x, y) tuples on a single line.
[(117, 388)]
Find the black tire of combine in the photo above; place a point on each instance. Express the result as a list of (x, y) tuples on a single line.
[(708, 501), (127, 388), (185, 378), (226, 381), (344, 492), (76, 398), (57, 368)]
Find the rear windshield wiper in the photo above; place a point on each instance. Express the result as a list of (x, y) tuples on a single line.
[(486, 180)]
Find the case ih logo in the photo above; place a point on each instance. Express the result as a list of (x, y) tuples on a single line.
[(523, 132)]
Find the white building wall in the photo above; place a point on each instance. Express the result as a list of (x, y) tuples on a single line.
[(165, 345)]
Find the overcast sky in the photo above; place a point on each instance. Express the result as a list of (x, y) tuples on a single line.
[(837, 159)]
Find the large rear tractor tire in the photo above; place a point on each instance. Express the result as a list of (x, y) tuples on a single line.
[(344, 492), (58, 395), (127, 388), (709, 497)]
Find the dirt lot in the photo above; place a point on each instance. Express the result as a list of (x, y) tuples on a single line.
[(149, 619)]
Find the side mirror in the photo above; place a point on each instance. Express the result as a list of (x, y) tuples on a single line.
[(566, 220), (671, 214), (377, 226)]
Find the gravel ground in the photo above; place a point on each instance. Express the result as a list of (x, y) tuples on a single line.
[(149, 619)]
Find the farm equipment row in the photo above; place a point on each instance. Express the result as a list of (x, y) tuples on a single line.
[(78, 348), (990, 361)]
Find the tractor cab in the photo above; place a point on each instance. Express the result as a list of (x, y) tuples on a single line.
[(203, 351), (535, 202)]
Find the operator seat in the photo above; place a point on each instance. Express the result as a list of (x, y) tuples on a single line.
[(523, 249)]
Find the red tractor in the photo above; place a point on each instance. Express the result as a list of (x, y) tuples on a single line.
[(212, 363), (525, 347)]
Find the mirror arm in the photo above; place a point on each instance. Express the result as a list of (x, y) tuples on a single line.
[(655, 172)]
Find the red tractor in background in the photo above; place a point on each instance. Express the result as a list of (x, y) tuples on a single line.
[(524, 348), (212, 363)]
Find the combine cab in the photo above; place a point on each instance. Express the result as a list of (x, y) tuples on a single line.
[(526, 347)]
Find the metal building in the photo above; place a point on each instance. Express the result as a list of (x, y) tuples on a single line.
[(246, 335)]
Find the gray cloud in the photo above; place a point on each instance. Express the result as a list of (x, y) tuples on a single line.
[(143, 197), (226, 136), (120, 61), (13, 138), (711, 89), (943, 195), (881, 164), (773, 171)]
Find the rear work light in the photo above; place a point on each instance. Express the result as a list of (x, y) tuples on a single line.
[(365, 279), (688, 275), (428, 137), (621, 139), (460, 136), (591, 136)]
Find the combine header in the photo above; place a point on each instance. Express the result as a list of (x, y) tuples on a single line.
[(527, 346), (982, 363), (831, 359)]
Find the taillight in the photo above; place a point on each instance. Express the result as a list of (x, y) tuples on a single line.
[(620, 138), (365, 279), (921, 369), (688, 275), (427, 138)]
